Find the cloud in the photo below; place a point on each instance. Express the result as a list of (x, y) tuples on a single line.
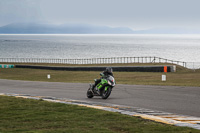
[(19, 10), (137, 14)]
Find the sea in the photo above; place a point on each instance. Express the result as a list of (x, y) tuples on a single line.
[(177, 47)]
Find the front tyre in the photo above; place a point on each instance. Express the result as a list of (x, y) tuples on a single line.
[(89, 94), (106, 93)]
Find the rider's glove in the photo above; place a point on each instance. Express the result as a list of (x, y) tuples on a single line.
[(102, 74)]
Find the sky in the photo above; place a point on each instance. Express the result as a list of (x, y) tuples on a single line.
[(135, 14)]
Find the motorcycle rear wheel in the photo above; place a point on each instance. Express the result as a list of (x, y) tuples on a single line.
[(89, 93)]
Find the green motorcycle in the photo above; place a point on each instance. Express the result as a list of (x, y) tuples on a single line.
[(102, 89)]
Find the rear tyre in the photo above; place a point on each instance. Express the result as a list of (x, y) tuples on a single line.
[(89, 94), (106, 93)]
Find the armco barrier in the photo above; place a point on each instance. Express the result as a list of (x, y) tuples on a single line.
[(117, 69), (6, 66)]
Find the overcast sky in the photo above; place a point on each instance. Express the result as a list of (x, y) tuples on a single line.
[(135, 14)]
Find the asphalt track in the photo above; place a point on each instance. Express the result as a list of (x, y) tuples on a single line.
[(172, 99)]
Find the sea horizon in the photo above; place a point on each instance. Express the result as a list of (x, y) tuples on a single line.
[(181, 47)]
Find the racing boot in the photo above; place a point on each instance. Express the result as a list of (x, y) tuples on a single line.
[(97, 90)]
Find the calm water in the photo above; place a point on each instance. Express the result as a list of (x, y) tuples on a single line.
[(175, 47)]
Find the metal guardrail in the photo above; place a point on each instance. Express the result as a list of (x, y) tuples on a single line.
[(101, 68), (111, 60)]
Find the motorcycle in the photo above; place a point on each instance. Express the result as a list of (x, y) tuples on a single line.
[(102, 89)]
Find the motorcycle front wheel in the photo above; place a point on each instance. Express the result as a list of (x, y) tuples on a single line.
[(106, 93)]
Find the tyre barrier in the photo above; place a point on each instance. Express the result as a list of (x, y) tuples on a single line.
[(116, 69), (6, 66)]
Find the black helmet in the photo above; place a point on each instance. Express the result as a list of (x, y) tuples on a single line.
[(109, 70)]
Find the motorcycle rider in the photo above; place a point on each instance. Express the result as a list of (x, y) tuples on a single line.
[(105, 73)]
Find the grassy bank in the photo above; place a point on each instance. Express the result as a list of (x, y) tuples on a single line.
[(26, 115), (183, 76)]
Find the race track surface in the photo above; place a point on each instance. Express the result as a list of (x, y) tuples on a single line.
[(173, 99)]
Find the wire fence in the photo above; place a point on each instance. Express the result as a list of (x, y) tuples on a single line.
[(120, 60), (193, 65)]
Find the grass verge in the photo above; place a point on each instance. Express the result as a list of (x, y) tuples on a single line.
[(183, 76), (27, 115)]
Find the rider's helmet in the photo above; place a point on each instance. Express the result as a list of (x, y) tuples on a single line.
[(109, 70)]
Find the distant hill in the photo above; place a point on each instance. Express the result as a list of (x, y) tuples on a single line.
[(41, 28), (38, 28), (169, 31)]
